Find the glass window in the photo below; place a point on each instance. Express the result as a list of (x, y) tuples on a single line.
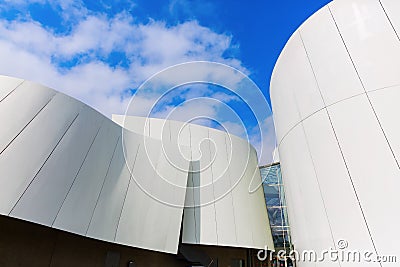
[(276, 205)]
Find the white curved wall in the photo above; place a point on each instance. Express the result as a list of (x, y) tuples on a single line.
[(62, 164), (335, 91), (223, 167)]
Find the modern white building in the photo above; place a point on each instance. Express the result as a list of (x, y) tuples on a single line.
[(335, 94), (79, 189), (152, 184)]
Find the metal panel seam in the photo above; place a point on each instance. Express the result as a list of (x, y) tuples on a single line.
[(15, 137), (102, 185), (212, 179), (77, 173), (126, 192), (12, 91), (369, 100), (230, 186), (44, 163), (390, 21)]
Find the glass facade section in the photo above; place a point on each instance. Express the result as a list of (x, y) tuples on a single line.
[(276, 205)]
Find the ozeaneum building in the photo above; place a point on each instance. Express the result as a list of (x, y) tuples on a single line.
[(150, 192), (78, 189), (335, 94)]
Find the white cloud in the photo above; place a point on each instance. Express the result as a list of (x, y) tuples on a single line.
[(36, 52), (237, 128), (33, 51), (265, 143), (189, 110)]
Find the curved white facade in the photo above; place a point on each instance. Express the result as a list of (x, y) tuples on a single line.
[(223, 170), (64, 165), (335, 92)]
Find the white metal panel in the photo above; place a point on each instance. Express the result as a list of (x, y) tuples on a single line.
[(19, 108), (372, 168), (167, 177), (240, 193), (152, 127), (189, 234), (201, 151), (148, 225), (179, 178), (175, 145), (370, 40), (374, 48), (342, 207), (300, 233), (180, 132), (139, 125), (196, 198), (180, 135), (224, 211), (143, 216), (172, 175), (258, 210), (336, 76), (314, 230), (77, 209), (299, 77), (32, 147), (284, 104), (104, 222), (7, 85), (198, 219), (191, 228), (387, 108), (295, 86), (75, 175), (385, 103), (168, 188), (43, 198), (392, 8), (159, 129), (130, 224)]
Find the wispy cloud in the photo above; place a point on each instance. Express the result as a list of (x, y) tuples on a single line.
[(33, 51), (77, 61)]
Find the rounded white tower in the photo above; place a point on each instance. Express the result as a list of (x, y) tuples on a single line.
[(335, 92)]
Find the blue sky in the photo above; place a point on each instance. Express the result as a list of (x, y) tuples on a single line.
[(101, 51)]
